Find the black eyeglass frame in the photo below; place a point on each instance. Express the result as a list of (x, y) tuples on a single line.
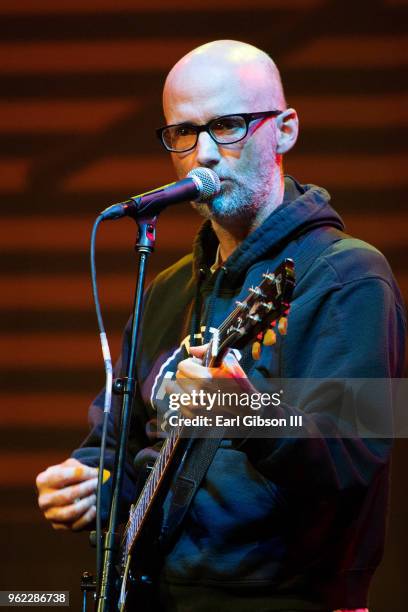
[(247, 117)]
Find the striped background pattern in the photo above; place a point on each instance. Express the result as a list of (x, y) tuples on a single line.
[(79, 101)]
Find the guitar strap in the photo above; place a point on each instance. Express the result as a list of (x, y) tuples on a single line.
[(201, 451)]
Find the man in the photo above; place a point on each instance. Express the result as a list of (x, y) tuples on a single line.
[(284, 524)]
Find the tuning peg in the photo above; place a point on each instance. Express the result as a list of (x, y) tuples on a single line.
[(283, 326), (257, 292), (269, 276), (254, 318), (269, 337), (256, 350), (266, 306)]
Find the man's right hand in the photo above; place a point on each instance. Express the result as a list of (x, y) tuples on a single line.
[(67, 494)]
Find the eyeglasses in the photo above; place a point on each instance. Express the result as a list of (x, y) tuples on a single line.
[(227, 129)]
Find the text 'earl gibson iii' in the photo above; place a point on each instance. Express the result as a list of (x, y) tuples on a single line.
[(220, 420)]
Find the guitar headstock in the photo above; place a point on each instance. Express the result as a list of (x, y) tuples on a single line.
[(263, 307)]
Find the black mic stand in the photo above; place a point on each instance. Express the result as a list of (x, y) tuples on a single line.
[(126, 387)]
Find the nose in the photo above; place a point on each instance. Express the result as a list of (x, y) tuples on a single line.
[(207, 151)]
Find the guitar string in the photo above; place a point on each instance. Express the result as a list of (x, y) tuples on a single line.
[(148, 491)]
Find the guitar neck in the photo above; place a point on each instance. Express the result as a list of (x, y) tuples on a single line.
[(141, 509)]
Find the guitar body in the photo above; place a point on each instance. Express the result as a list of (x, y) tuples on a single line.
[(138, 584)]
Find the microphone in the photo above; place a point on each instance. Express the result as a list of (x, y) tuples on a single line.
[(200, 185)]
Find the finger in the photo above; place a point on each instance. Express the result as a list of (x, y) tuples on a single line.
[(188, 368), (172, 386), (188, 411), (198, 351), (74, 462), (70, 462), (60, 526), (177, 389), (60, 476), (190, 386), (231, 363), (70, 513), (66, 496), (87, 518)]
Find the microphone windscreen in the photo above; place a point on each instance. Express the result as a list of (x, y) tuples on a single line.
[(209, 183)]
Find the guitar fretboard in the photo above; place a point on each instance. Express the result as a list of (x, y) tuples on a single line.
[(140, 510)]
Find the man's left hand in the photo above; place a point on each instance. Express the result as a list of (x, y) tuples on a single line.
[(192, 375)]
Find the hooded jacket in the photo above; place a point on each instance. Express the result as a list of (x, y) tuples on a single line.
[(277, 524)]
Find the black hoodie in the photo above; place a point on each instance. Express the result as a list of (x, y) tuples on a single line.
[(277, 524)]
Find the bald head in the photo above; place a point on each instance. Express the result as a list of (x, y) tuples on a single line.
[(221, 78), (210, 69)]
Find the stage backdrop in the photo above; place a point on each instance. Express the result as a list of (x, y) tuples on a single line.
[(79, 101)]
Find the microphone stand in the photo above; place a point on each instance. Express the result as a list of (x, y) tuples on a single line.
[(126, 387)]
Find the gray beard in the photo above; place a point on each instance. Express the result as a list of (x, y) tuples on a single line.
[(236, 203)]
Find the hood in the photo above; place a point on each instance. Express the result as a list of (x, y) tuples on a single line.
[(304, 207)]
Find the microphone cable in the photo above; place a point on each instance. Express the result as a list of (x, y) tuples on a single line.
[(107, 403)]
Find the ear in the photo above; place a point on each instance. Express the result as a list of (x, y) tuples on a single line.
[(287, 124)]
